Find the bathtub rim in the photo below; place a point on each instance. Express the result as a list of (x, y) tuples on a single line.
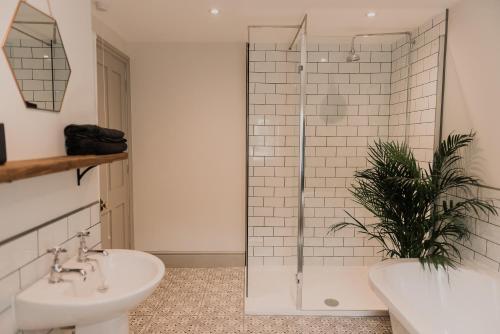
[(393, 311), (465, 265)]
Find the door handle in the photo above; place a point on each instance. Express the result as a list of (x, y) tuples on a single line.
[(102, 205)]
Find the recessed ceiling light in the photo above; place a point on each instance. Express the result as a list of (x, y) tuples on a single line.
[(371, 14), (214, 11), (323, 60)]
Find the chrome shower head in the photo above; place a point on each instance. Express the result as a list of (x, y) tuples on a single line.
[(352, 57)]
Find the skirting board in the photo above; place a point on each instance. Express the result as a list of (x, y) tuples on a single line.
[(200, 260)]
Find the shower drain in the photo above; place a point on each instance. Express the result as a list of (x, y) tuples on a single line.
[(331, 302)]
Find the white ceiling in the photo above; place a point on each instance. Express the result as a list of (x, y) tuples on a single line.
[(190, 20)]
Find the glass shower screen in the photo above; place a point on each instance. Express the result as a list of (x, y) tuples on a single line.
[(313, 111), (273, 173)]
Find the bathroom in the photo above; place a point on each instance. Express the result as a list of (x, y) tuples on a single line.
[(238, 188)]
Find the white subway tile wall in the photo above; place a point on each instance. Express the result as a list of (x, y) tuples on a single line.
[(421, 64), (348, 106), (34, 69), (345, 111), (273, 153), (483, 247), (25, 260)]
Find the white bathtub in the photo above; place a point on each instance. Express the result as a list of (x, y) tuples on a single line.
[(465, 300)]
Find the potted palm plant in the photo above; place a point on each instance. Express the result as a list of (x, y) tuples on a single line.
[(415, 217)]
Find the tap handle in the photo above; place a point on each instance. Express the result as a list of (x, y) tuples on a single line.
[(57, 250), (83, 234)]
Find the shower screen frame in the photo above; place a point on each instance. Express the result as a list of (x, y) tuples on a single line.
[(301, 204)]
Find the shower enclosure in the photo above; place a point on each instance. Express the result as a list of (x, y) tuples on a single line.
[(315, 104)]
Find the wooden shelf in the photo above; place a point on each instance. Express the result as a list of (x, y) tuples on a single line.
[(23, 169)]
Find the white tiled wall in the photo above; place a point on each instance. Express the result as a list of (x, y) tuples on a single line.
[(348, 106), (423, 57), (25, 260), (483, 247), (484, 244), (273, 149), (34, 72)]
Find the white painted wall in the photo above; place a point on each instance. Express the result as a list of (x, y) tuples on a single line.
[(188, 133), (109, 35), (473, 82), (35, 134)]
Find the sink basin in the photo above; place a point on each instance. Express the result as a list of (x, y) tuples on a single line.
[(119, 282)]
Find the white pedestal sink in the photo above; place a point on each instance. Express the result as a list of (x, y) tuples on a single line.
[(130, 277)]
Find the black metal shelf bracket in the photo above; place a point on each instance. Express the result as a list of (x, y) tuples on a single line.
[(79, 174)]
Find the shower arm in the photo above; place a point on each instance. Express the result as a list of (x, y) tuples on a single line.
[(407, 33), (303, 24)]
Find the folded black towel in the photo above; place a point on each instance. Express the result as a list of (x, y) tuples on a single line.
[(77, 137), (92, 139), (92, 131), (92, 146)]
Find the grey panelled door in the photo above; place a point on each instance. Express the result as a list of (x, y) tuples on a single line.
[(114, 180)]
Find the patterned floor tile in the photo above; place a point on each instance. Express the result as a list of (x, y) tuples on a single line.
[(173, 325), (270, 324), (220, 324), (137, 324), (211, 301)]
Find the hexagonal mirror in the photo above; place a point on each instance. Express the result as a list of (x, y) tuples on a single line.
[(37, 58)]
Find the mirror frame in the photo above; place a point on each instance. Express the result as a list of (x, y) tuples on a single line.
[(10, 28)]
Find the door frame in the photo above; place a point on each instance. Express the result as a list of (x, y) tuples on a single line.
[(101, 43)]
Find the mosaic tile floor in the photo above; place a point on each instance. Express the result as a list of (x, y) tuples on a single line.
[(210, 301)]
